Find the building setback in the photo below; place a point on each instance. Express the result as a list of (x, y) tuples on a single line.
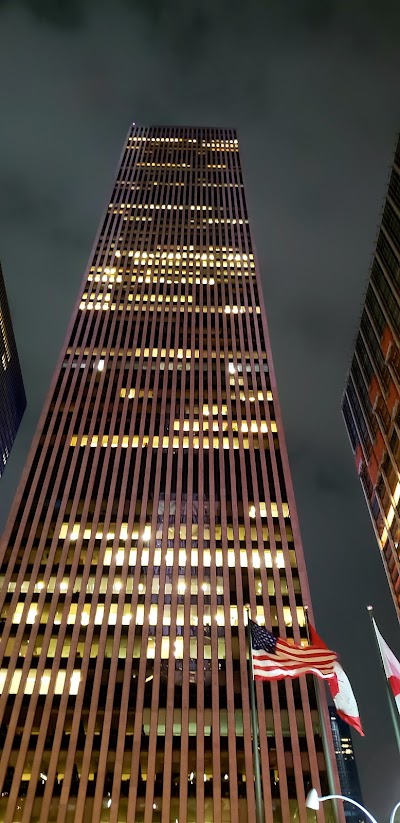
[(12, 392), (371, 400), (155, 503)]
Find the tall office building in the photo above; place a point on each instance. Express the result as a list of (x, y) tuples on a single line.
[(347, 766), (12, 392), (156, 502), (371, 406)]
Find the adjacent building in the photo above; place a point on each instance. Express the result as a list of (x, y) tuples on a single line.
[(347, 766), (155, 503), (371, 401), (12, 392)]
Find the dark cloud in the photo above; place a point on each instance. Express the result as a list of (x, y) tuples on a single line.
[(312, 87), (65, 13), (19, 201), (328, 479)]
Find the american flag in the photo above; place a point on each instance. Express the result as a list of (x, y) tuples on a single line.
[(275, 658)]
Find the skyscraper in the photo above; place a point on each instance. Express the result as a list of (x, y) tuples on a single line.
[(155, 503), (12, 392), (371, 406), (347, 766)]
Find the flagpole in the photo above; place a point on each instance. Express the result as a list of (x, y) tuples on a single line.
[(260, 816), (370, 610), (325, 740)]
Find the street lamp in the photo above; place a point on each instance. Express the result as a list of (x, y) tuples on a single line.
[(313, 801)]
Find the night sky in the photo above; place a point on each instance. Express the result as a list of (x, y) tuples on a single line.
[(313, 89)]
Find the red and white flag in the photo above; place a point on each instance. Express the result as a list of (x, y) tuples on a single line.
[(390, 664), (344, 700), (340, 688)]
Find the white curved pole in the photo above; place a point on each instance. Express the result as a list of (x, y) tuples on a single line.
[(354, 802), (392, 816)]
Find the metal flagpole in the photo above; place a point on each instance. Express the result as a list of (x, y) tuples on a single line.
[(260, 816), (324, 736), (393, 714)]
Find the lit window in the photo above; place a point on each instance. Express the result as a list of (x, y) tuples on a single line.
[(74, 684)]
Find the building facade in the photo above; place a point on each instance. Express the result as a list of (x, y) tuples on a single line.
[(156, 502), (346, 766), (12, 392), (371, 400)]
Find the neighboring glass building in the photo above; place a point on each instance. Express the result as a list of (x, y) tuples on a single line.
[(371, 401), (156, 502), (12, 392), (347, 766)]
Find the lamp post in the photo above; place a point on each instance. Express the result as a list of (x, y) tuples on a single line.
[(313, 800)]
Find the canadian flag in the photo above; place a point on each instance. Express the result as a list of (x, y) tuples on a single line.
[(390, 664), (340, 688)]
